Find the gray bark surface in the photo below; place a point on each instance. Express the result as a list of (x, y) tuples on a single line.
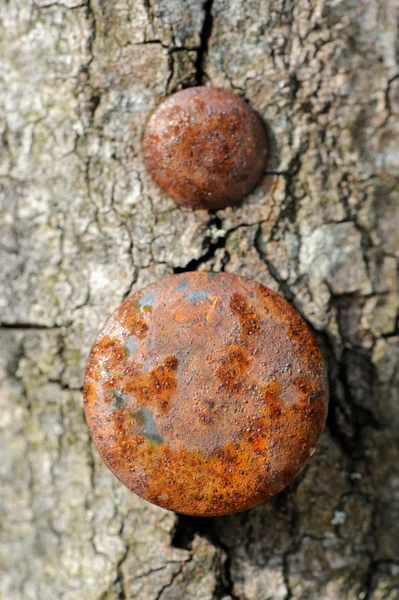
[(82, 226)]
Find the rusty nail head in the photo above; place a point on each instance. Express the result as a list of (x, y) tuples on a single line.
[(205, 147), (205, 393)]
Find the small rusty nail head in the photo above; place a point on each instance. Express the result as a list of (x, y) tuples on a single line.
[(205, 393), (205, 147)]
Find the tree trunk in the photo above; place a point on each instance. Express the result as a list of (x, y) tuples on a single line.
[(82, 226)]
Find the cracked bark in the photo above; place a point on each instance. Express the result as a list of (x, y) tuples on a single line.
[(82, 226)]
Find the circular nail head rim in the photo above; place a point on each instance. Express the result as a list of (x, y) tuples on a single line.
[(205, 147), (205, 393)]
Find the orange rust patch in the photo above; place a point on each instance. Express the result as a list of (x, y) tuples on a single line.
[(132, 319), (230, 373), (138, 327), (154, 388), (272, 396), (250, 321)]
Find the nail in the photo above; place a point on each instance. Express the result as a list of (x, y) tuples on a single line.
[(205, 147), (205, 393)]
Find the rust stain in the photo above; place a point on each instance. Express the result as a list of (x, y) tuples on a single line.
[(153, 388), (205, 415), (205, 147), (231, 371), (250, 321)]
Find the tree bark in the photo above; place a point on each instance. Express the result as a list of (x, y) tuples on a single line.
[(82, 226)]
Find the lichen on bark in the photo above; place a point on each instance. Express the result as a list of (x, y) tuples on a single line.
[(82, 226)]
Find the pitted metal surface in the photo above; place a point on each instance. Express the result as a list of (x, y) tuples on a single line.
[(205, 393), (205, 147)]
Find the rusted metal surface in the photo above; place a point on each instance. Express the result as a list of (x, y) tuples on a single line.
[(205, 393), (205, 147)]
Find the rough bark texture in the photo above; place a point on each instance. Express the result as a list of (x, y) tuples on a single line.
[(82, 226)]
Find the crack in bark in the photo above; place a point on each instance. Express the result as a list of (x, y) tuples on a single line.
[(171, 582), (119, 581), (358, 417), (210, 244), (186, 528), (27, 325), (91, 16), (205, 36)]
